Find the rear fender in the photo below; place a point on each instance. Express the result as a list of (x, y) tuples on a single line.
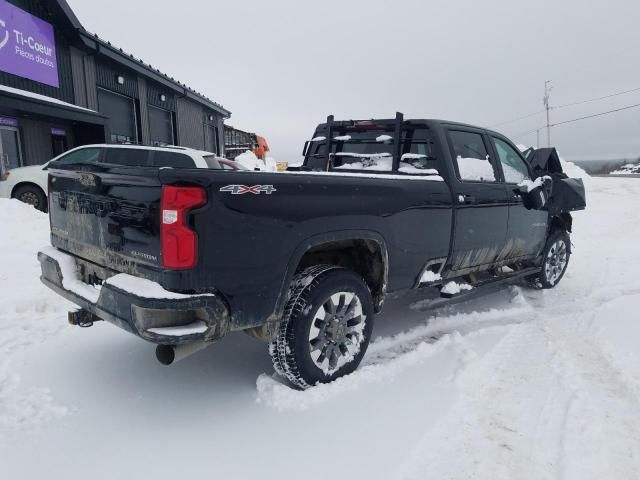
[(320, 239)]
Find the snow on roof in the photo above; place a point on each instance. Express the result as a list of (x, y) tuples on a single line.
[(42, 98)]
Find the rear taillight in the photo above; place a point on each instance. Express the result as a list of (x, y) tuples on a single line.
[(179, 242)]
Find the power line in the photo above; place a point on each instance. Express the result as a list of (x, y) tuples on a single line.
[(525, 133), (596, 115), (575, 120), (597, 98), (516, 119), (565, 106)]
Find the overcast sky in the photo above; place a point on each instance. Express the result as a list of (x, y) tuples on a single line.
[(282, 66)]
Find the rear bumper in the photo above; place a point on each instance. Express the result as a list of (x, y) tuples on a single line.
[(155, 314)]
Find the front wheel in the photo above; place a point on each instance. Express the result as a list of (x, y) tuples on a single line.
[(326, 326), (555, 259)]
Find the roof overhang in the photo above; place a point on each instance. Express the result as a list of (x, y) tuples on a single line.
[(22, 101)]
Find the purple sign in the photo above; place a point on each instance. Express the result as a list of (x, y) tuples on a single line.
[(59, 132), (8, 122), (27, 46)]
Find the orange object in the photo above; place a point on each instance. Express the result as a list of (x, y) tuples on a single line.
[(262, 147)]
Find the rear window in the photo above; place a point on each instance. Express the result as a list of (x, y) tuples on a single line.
[(372, 150), (127, 156)]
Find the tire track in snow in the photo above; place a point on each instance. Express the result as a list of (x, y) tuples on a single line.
[(603, 428), (389, 356), (505, 424)]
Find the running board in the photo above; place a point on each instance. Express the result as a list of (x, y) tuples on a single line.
[(479, 288)]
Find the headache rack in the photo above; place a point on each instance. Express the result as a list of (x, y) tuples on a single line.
[(365, 125)]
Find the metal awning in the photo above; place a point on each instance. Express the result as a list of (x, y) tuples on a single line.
[(22, 101)]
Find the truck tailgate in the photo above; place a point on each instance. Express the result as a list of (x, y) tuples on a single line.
[(108, 216)]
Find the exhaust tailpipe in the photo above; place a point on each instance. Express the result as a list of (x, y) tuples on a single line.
[(168, 354)]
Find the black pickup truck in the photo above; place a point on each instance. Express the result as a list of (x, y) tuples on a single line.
[(305, 258)]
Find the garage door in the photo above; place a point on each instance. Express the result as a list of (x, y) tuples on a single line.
[(121, 113)]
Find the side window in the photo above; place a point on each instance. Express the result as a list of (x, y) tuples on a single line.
[(471, 157), (131, 157), (85, 155), (513, 167), (417, 152)]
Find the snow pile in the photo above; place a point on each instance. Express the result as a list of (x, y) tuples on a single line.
[(70, 278), (384, 138), (342, 138), (249, 160), (574, 171), (453, 288), (429, 276), (475, 169), (141, 287)]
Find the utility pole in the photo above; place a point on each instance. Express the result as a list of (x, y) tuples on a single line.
[(538, 138), (547, 91)]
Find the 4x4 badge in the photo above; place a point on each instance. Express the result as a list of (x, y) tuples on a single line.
[(242, 189)]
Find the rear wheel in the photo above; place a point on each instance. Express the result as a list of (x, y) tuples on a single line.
[(555, 259), (31, 195), (326, 326)]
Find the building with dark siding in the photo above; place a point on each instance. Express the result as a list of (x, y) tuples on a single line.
[(61, 86)]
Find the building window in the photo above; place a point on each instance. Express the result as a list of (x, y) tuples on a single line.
[(121, 113), (160, 126)]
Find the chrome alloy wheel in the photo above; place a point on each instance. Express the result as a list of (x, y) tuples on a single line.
[(336, 331), (556, 261)]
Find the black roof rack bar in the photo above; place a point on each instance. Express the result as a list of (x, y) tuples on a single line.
[(328, 142), (397, 141)]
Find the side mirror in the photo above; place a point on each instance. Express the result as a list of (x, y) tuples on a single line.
[(535, 193)]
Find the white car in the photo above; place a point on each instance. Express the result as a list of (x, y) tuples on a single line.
[(29, 184)]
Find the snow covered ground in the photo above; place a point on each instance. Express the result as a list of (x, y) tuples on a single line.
[(520, 384)]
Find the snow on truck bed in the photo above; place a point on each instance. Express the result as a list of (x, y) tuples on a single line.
[(520, 384)]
